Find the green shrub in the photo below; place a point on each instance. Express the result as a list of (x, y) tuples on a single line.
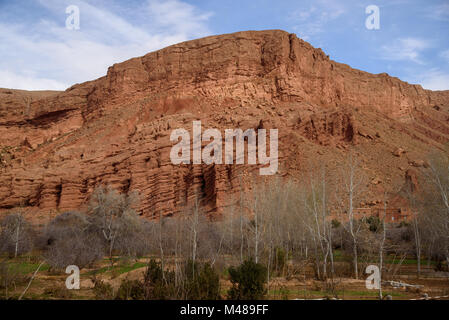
[(202, 282), (154, 272), (103, 291), (158, 285), (10, 278), (280, 258), (58, 293), (283, 292), (335, 223), (248, 281), (441, 266), (374, 224), (130, 290)]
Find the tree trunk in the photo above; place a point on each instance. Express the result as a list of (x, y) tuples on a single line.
[(31, 280), (256, 246), (354, 251), (17, 239)]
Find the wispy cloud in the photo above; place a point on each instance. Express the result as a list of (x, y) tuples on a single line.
[(435, 79), (38, 52), (180, 17), (405, 49), (45, 55), (445, 55), (313, 19), (34, 82), (438, 12)]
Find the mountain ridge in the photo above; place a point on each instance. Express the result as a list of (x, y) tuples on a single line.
[(115, 130)]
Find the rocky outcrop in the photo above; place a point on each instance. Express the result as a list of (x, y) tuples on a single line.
[(116, 130)]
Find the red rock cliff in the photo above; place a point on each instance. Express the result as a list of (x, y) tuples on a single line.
[(57, 146)]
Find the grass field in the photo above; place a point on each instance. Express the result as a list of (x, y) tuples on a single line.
[(50, 284)]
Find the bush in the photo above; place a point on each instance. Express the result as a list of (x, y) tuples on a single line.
[(102, 290), (158, 285), (9, 279), (130, 290), (58, 293), (374, 224), (70, 240), (280, 259), (202, 282), (195, 282), (248, 281), (335, 223), (441, 266)]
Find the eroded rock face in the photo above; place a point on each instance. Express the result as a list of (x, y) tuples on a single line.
[(116, 130)]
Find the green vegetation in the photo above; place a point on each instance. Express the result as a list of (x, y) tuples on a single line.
[(202, 282), (24, 267), (130, 290), (117, 269), (248, 281), (103, 290), (192, 257)]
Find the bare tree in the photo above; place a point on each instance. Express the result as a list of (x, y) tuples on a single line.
[(113, 215), (382, 244), (411, 196), (70, 239), (353, 181), (16, 236), (241, 206), (194, 226), (320, 227), (438, 200)]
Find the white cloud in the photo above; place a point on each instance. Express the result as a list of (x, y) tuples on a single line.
[(445, 55), (313, 20), (438, 12), (435, 80), (46, 55), (179, 16), (26, 82), (405, 49)]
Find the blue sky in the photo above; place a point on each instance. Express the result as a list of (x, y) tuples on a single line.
[(38, 52)]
